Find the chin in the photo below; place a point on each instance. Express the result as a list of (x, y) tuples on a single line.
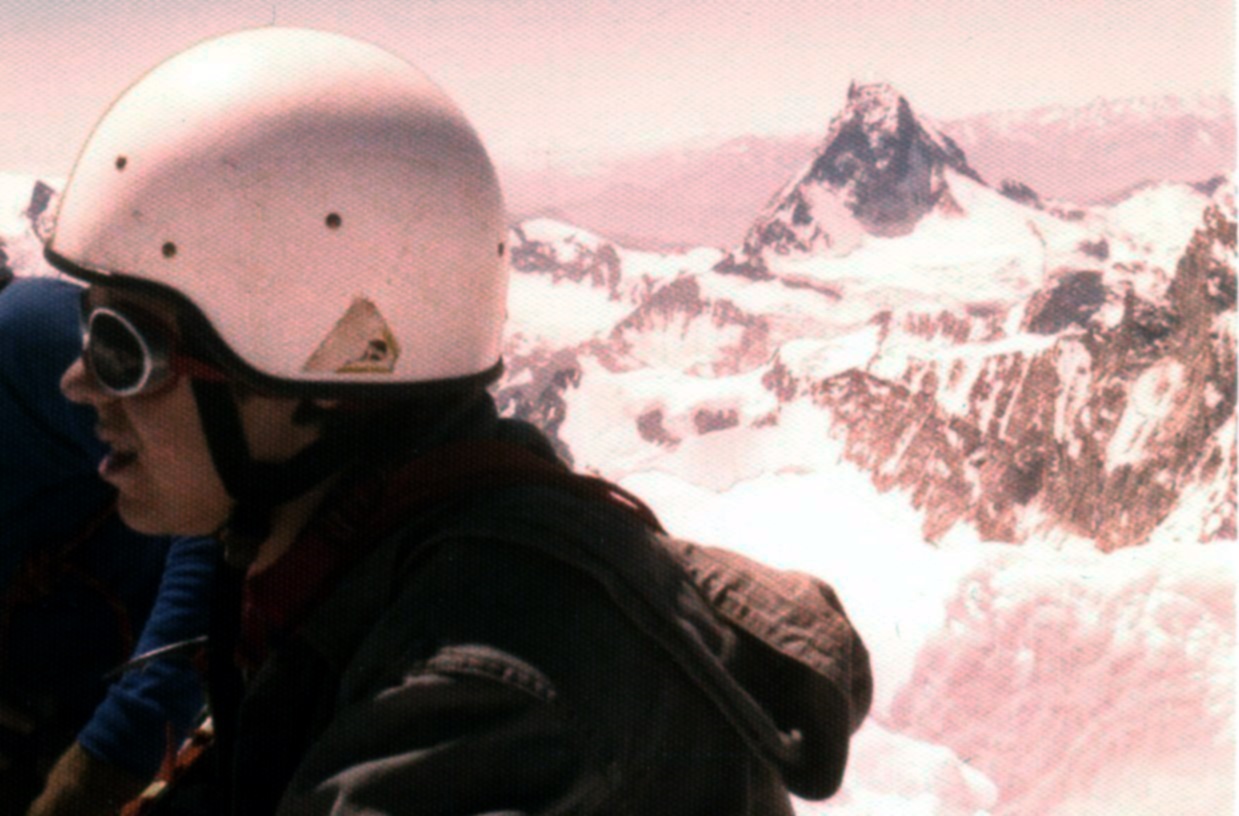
[(145, 518)]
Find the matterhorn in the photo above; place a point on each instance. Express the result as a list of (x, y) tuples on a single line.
[(878, 171)]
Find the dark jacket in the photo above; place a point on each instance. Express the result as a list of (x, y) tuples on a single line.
[(532, 649)]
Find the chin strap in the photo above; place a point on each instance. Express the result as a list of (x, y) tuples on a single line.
[(259, 487)]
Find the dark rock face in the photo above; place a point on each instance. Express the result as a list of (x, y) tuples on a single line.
[(885, 159), (1099, 249), (783, 237), (1070, 301), (752, 268), (40, 199), (1210, 186), (651, 428), (879, 168), (1206, 274), (1100, 429), (673, 306), (543, 380), (600, 266), (831, 293), (41, 210), (706, 421), (1021, 192)]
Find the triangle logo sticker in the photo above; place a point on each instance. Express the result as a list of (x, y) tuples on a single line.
[(360, 343)]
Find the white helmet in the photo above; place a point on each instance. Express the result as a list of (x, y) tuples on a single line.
[(325, 207)]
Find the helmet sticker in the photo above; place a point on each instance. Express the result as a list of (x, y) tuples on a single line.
[(360, 343)]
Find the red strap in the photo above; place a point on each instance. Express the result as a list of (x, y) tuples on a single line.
[(177, 764)]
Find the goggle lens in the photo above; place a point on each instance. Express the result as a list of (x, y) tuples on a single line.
[(123, 359)]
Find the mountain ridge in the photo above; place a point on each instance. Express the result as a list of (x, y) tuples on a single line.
[(680, 205)]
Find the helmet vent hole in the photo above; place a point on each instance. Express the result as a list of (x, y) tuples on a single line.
[(169, 250), (333, 221), (501, 249), (121, 161)]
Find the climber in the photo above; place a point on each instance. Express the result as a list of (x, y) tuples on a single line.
[(295, 250)]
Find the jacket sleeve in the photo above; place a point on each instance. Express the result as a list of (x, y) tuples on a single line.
[(505, 681), (450, 744), (130, 728)]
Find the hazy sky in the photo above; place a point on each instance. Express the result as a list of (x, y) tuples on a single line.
[(570, 81)]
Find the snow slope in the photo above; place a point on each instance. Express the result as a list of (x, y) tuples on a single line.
[(1050, 678), (1010, 681)]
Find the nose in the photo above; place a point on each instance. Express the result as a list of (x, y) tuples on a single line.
[(79, 386)]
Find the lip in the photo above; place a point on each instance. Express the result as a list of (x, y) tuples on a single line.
[(120, 456), (116, 463)]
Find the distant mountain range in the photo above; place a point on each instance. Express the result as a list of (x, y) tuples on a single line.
[(707, 196)]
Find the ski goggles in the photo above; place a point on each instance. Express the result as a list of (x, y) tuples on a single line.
[(129, 353)]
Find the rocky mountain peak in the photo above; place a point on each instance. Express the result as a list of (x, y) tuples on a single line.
[(878, 127), (879, 170), (878, 105)]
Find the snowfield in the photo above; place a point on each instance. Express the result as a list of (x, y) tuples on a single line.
[(1049, 679), (1033, 680)]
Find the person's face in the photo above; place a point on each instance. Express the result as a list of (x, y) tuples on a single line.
[(159, 460)]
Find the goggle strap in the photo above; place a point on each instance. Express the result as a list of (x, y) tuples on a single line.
[(154, 348), (197, 369)]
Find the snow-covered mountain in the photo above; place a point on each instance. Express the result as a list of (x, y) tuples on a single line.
[(1064, 381), (708, 194), (1111, 401), (1029, 376)]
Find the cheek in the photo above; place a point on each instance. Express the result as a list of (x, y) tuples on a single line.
[(178, 491)]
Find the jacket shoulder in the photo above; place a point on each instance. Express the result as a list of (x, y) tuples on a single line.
[(470, 606)]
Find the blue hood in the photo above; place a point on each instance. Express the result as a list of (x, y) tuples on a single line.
[(48, 486)]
